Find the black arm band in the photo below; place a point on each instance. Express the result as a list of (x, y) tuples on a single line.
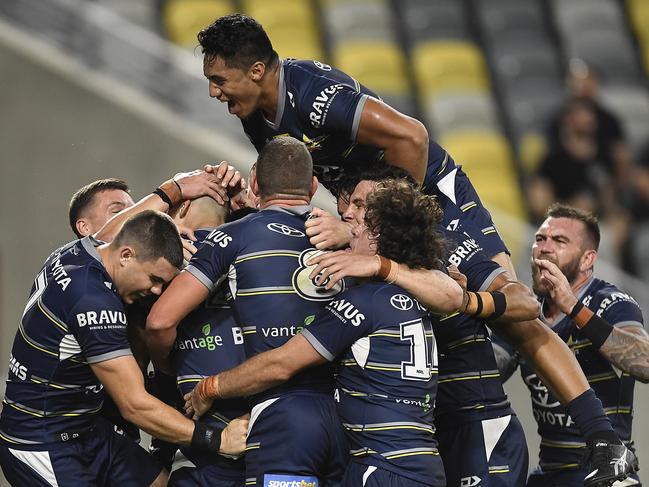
[(205, 438), (500, 305), (478, 309), (597, 330), (163, 196), (575, 311)]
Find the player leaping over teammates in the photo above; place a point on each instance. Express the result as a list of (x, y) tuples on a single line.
[(343, 123)]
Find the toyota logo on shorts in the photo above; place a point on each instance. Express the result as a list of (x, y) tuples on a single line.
[(401, 302), (285, 230)]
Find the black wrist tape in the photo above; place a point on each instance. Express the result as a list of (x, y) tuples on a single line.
[(500, 305), (163, 196), (206, 438), (597, 330)]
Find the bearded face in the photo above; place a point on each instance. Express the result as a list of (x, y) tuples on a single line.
[(560, 241)]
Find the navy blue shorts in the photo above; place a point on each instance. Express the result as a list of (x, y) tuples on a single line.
[(488, 453), (101, 457), (204, 469), (296, 434), (361, 475), (571, 478), (464, 212)]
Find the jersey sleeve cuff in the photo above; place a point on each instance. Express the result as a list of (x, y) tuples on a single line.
[(198, 274), (109, 355), (357, 116), (319, 347), (627, 324), (490, 278)]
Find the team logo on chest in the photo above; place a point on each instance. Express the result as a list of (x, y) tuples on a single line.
[(283, 229)]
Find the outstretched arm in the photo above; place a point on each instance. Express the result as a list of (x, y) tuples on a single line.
[(125, 384), (183, 295), (403, 139), (255, 375), (434, 289), (182, 186), (550, 357)]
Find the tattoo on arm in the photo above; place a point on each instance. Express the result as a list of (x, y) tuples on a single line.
[(628, 350)]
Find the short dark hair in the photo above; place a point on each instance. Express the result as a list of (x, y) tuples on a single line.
[(404, 224), (591, 224), (152, 235), (239, 40), (84, 198), (284, 166), (374, 172)]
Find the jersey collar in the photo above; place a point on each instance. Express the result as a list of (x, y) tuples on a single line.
[(281, 100), (301, 210)]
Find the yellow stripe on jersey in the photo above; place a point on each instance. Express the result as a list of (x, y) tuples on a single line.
[(47, 315)]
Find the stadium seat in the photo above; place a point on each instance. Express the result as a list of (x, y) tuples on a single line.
[(291, 25), (639, 15), (502, 17), (588, 15), (433, 19), (183, 19), (380, 66), (610, 52), (529, 107), (358, 20), (531, 148), (517, 63), (451, 112), (449, 66), (631, 104), (486, 157)]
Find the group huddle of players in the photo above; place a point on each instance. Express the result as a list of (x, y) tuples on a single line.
[(369, 365)]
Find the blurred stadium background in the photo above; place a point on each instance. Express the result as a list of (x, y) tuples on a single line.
[(114, 88)]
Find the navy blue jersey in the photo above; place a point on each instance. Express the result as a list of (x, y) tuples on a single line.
[(469, 382), (263, 256), (322, 106), (561, 440), (210, 341), (73, 317), (387, 379)]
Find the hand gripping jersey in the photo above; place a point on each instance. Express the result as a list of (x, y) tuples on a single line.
[(210, 341), (263, 256), (387, 378), (322, 106), (561, 442), (469, 386), (73, 317)]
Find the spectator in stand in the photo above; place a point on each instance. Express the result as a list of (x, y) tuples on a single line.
[(639, 234), (570, 171), (577, 171), (612, 151)]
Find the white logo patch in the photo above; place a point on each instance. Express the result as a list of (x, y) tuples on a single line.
[(285, 230), (323, 66), (401, 302)]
